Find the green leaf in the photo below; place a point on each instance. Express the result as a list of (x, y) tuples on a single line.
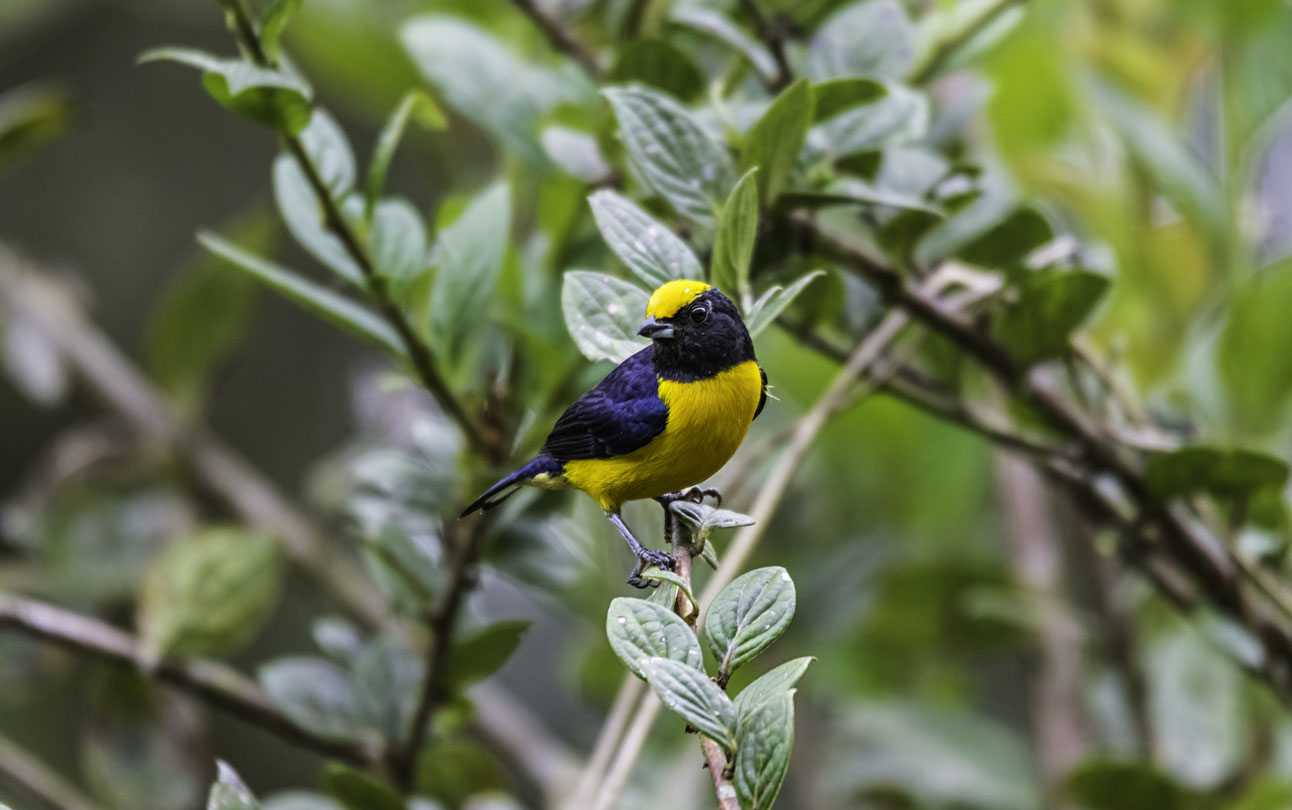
[(691, 695), (337, 638), (766, 737), (772, 303), (481, 652), (482, 79), (662, 576), (639, 630), (873, 38), (603, 314), (468, 258), (301, 800), (1254, 352), (29, 116), (316, 694), (577, 153), (675, 157), (141, 746), (387, 679), (772, 685), (706, 518), (302, 213), (269, 97), (228, 792), (415, 105), (1217, 471), (834, 96), (660, 64), (733, 248), (1051, 304), (356, 790), (398, 243), (203, 315), (773, 144), (209, 593), (272, 25), (1108, 785), (650, 250), (715, 24), (1008, 242), (748, 615), (329, 151), (338, 309), (408, 561)]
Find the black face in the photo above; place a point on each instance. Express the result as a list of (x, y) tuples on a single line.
[(708, 337)]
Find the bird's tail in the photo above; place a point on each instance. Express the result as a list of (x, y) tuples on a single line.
[(500, 491)]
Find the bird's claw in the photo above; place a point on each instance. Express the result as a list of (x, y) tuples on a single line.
[(694, 495), (649, 557)]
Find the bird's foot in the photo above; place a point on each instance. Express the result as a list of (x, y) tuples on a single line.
[(646, 558), (694, 495)]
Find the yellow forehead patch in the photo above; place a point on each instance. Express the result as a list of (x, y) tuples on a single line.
[(670, 298)]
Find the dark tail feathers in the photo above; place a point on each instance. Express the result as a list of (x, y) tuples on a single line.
[(502, 490)]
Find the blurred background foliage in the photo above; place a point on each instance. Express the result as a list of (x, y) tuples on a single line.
[(979, 642)]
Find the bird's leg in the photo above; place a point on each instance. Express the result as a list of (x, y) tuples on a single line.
[(645, 556)]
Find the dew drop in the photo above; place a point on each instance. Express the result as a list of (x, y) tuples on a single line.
[(623, 620)]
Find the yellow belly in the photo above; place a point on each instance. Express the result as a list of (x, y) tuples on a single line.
[(707, 420)]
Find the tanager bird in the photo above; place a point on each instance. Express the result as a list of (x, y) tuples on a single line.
[(663, 421)]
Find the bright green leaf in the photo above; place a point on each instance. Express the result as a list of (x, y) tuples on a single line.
[(639, 630), (733, 248), (603, 314), (1051, 304), (1221, 472), (650, 250), (356, 790), (274, 22), (748, 615), (208, 594), (270, 97), (30, 115), (834, 96), (773, 144), (1254, 352), (691, 695), (336, 308)]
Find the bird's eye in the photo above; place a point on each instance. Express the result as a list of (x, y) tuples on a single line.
[(699, 314)]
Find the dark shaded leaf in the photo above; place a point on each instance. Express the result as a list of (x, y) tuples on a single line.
[(1050, 306), (1222, 472)]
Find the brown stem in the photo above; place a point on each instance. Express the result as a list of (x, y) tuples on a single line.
[(212, 681), (559, 37)]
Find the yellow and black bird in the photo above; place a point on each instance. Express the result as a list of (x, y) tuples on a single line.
[(663, 421)]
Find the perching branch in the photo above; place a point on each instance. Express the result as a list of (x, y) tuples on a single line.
[(22, 770), (420, 355), (559, 37), (213, 682)]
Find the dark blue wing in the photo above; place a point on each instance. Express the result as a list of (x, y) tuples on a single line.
[(622, 413)]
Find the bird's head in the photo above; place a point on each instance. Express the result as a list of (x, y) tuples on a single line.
[(697, 331)]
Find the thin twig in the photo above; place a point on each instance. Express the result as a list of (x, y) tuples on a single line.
[(420, 355), (559, 37), (936, 58), (212, 681), (29, 774)]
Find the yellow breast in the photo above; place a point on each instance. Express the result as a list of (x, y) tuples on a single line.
[(707, 420)]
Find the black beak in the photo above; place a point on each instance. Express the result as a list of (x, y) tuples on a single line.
[(655, 330)]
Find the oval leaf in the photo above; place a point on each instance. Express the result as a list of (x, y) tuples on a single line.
[(773, 144), (603, 314), (315, 693), (1221, 472), (639, 630), (748, 615), (772, 685), (652, 252), (695, 698), (765, 740), (733, 249), (772, 303), (229, 792)]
